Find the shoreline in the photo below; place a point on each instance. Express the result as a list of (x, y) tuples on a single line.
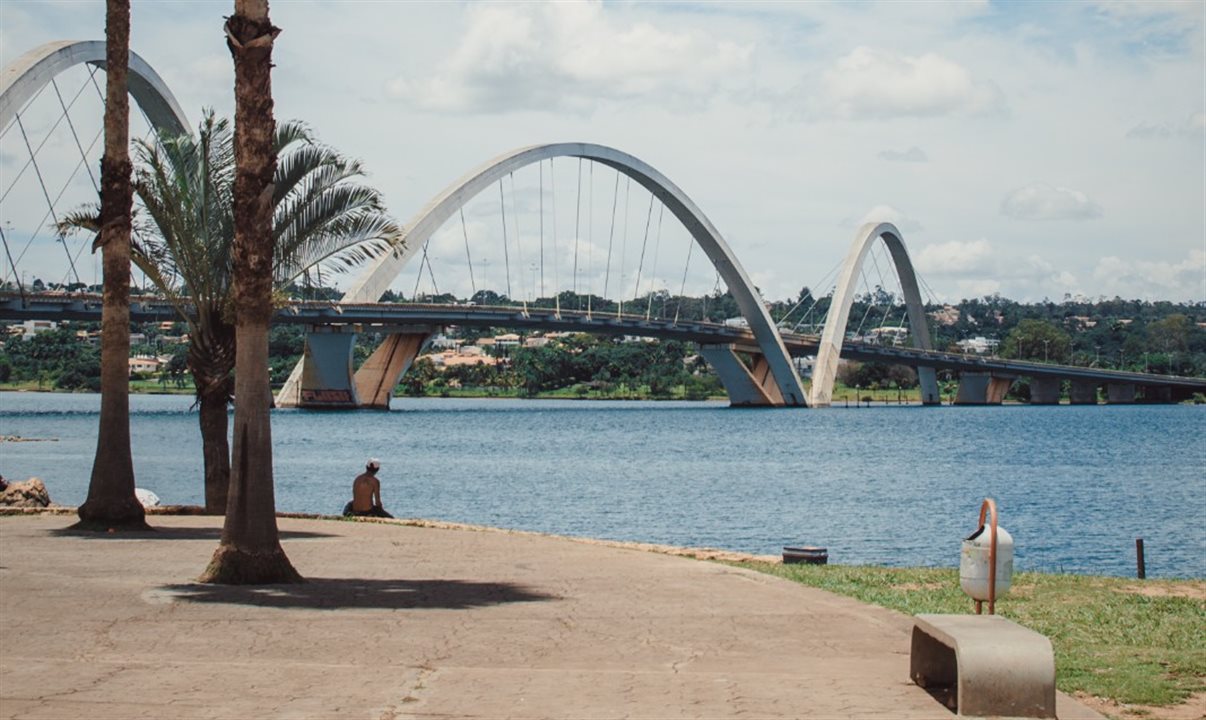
[(196, 510), (697, 553)]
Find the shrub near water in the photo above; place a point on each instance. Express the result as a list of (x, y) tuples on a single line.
[(1110, 640)]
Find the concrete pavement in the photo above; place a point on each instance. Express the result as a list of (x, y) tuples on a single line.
[(411, 622)]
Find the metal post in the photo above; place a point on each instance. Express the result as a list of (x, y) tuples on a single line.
[(990, 506), (1142, 566)]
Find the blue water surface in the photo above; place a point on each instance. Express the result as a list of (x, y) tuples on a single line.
[(887, 485)]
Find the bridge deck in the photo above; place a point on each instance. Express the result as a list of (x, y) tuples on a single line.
[(397, 316)]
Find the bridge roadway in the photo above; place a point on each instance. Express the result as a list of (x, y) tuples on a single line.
[(392, 317)]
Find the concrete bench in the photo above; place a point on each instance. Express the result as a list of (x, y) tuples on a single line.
[(995, 666)]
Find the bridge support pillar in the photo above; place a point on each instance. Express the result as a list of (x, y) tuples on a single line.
[(1083, 392), (927, 379), (377, 377), (323, 378), (1158, 394), (1045, 390), (982, 388), (747, 386), (1120, 393)]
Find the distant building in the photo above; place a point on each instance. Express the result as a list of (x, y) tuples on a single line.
[(92, 337), (508, 340), (450, 358), (888, 335), (144, 365), (29, 328), (443, 342), (804, 365), (979, 345)]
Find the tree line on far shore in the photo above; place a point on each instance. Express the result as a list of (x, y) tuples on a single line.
[(1160, 337)]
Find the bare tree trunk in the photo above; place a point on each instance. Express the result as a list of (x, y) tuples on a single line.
[(215, 449), (250, 552), (211, 359), (111, 503)]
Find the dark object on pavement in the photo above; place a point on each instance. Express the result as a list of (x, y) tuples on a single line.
[(805, 554)]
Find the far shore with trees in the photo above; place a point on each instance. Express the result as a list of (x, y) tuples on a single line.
[(1160, 338)]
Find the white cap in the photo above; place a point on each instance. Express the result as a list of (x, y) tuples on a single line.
[(373, 464)]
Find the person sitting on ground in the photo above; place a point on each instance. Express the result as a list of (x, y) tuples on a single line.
[(366, 493)]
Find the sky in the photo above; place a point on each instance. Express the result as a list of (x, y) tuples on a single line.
[(1032, 149)]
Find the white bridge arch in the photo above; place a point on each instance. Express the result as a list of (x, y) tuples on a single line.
[(28, 74), (825, 370), (378, 276)]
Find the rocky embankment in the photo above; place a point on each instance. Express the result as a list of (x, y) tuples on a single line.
[(31, 493)]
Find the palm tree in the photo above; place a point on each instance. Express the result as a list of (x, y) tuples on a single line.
[(323, 219), (250, 550), (111, 503)]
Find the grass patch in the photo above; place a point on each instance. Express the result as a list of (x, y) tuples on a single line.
[(1110, 640)]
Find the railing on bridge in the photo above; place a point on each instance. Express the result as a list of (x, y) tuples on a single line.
[(338, 323)]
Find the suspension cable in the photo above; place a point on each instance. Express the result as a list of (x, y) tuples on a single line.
[(624, 245), (430, 270), (46, 194), (468, 257), (683, 288), (70, 178), (817, 298), (859, 331), (540, 167), (518, 240), (883, 287), (590, 239), (16, 277), (577, 233), (556, 264), (636, 288), (506, 253), (414, 296), (74, 135), (46, 139), (611, 236), (661, 209)]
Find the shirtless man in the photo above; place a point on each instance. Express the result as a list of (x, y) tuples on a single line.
[(366, 493)]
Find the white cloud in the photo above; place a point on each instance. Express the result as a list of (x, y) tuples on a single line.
[(1129, 11), (877, 83), (976, 288), (889, 214), (954, 257), (976, 268), (1152, 279), (1044, 202), (912, 155), (1191, 127), (572, 56)]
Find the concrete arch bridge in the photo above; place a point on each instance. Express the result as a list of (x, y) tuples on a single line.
[(755, 363)]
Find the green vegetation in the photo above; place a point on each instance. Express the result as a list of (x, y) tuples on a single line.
[(1130, 641), (1159, 337), (52, 360)]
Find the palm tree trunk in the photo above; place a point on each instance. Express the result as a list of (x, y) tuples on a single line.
[(250, 552), (215, 449), (111, 503), (211, 359)]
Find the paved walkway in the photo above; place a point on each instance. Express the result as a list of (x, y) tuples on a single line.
[(408, 622)]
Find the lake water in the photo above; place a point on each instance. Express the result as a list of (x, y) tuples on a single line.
[(885, 485)]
